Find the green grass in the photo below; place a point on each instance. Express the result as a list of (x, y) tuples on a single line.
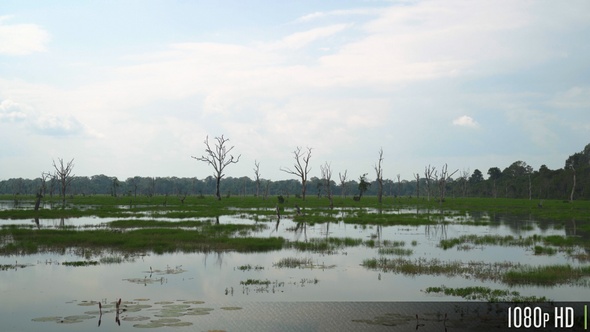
[(158, 240), (293, 262), (550, 275), (479, 293)]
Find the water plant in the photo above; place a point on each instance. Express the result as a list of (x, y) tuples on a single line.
[(480, 293)]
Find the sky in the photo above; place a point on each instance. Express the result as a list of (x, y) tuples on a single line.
[(133, 87)]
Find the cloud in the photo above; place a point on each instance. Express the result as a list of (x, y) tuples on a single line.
[(21, 39), (335, 13), (465, 121), (55, 125), (11, 111), (301, 39), (575, 98)]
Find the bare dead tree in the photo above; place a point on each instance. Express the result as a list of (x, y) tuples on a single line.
[(301, 167), (574, 184), (464, 181), (428, 174), (417, 176), (41, 190), (218, 158), (379, 173), (64, 176), (326, 171), (442, 182), (342, 183), (257, 176)]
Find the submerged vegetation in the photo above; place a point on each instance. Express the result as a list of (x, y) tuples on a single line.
[(479, 293), (137, 226)]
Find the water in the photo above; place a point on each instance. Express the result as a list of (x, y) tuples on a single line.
[(46, 287)]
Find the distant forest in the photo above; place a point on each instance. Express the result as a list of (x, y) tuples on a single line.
[(518, 180)]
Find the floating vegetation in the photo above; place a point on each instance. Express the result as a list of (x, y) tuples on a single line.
[(255, 282), (249, 267), (395, 251), (326, 244), (231, 308), (293, 262), (64, 320), (549, 275), (117, 259), (420, 266), (540, 250), (16, 266), (80, 263), (159, 314), (479, 293), (508, 240)]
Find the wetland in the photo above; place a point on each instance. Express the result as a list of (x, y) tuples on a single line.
[(200, 261)]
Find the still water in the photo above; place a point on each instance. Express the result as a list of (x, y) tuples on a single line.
[(217, 282)]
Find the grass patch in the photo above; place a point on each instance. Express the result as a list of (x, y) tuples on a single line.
[(80, 263), (422, 266), (293, 262), (255, 282), (479, 293), (395, 251), (549, 275), (157, 240)]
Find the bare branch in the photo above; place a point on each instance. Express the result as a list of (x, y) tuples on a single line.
[(64, 175), (218, 157), (301, 167)]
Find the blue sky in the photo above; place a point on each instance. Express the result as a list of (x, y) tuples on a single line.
[(134, 87)]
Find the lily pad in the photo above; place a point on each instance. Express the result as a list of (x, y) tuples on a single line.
[(231, 308), (170, 313), (79, 317), (166, 320), (176, 306), (193, 302), (135, 318), (148, 325), (47, 319), (88, 303)]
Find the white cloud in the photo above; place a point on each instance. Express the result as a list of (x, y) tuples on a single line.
[(575, 98), (465, 121), (11, 111), (21, 39), (301, 39), (54, 125)]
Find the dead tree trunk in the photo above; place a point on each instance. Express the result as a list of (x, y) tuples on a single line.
[(379, 173), (444, 177), (219, 158), (41, 191), (574, 184), (64, 176), (301, 168), (342, 183), (417, 176), (257, 176), (428, 172)]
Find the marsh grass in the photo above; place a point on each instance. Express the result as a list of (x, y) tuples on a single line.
[(293, 262), (422, 266), (326, 244), (395, 251), (80, 263), (157, 240), (479, 293), (549, 275)]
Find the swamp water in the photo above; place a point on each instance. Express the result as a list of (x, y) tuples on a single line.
[(215, 290)]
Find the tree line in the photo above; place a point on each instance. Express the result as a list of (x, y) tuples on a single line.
[(518, 180)]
